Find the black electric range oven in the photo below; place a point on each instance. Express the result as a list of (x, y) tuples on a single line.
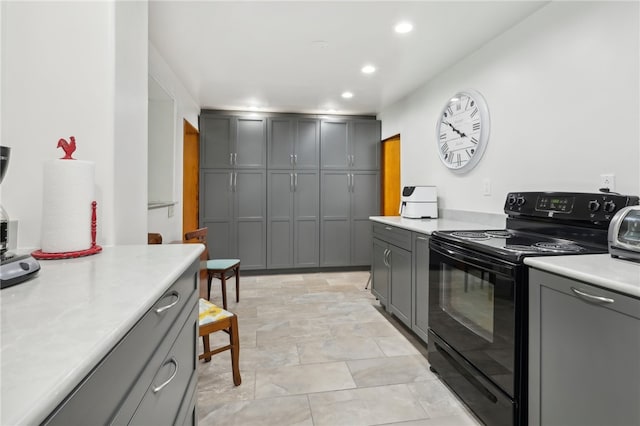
[(478, 286)]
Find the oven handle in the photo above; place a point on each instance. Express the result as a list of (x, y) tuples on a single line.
[(495, 267)]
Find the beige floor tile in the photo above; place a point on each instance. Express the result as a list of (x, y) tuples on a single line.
[(341, 349), (291, 410), (396, 345), (365, 406), (436, 398), (300, 379), (390, 370)]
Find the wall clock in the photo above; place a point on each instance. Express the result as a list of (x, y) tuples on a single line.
[(463, 131)]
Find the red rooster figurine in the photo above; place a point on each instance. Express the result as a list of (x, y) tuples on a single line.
[(68, 147)]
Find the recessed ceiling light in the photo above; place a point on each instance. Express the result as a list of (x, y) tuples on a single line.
[(368, 69), (403, 27), (347, 95)]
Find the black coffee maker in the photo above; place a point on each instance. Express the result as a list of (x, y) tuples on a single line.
[(14, 269)]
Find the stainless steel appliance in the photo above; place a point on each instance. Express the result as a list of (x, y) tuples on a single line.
[(624, 234), (14, 269), (419, 202), (478, 294)]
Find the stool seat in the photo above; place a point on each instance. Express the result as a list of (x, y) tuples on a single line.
[(220, 264), (212, 318)]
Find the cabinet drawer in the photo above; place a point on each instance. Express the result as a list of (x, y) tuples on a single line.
[(170, 385), (397, 236), (109, 385)]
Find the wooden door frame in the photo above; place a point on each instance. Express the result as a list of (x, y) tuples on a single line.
[(390, 196), (190, 178)]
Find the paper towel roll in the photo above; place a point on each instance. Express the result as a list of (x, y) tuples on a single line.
[(66, 207)]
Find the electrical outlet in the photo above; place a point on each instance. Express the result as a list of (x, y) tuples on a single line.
[(486, 186), (608, 181)]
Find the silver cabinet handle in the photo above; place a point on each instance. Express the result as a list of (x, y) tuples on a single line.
[(230, 181), (422, 238), (291, 182), (388, 228), (170, 305), (353, 182), (591, 297), (231, 158), (295, 181), (235, 158), (295, 158), (291, 159), (235, 181), (175, 364)]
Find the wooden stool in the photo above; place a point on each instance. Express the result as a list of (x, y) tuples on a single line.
[(212, 319)]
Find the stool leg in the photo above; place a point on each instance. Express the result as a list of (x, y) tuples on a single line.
[(210, 277), (235, 351), (223, 282), (237, 284), (207, 347)]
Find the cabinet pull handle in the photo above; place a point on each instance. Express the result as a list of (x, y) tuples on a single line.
[(170, 305), (231, 158), (295, 181), (291, 159), (388, 228), (235, 158), (422, 238), (175, 363), (291, 182), (230, 181), (295, 158), (591, 297), (387, 257), (235, 181)]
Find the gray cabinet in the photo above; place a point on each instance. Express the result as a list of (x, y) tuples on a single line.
[(420, 302), (392, 249), (346, 202), (293, 143), (233, 207), (350, 144), (126, 387), (232, 142), (233, 153), (293, 219), (584, 352)]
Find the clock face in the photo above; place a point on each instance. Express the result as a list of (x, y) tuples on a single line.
[(463, 131)]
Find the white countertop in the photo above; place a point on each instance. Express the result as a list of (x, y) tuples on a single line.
[(57, 326), (622, 276), (427, 226)]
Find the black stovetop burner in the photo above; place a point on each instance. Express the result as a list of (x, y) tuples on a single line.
[(546, 224)]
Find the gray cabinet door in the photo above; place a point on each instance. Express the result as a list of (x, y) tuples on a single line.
[(307, 144), (584, 366), (380, 274), (400, 284), (217, 134), (365, 202), (306, 213), (335, 225), (364, 141), (251, 219), (281, 137), (217, 211), (250, 143), (334, 147), (280, 219), (420, 324)]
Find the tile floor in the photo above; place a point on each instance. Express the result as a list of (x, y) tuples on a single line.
[(316, 349)]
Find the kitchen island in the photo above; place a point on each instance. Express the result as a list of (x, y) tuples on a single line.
[(66, 325)]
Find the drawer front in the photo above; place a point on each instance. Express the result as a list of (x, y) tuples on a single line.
[(106, 388), (170, 386), (397, 236)]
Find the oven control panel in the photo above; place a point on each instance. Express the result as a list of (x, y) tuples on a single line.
[(575, 206)]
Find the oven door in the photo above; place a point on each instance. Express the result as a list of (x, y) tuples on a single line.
[(472, 308)]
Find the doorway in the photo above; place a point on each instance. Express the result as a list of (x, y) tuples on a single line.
[(190, 178), (390, 176)]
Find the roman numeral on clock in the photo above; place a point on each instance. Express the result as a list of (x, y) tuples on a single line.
[(474, 112), (474, 140), (443, 136), (476, 125), (444, 147)]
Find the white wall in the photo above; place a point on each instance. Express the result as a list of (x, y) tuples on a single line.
[(76, 68), (563, 92), (159, 220)]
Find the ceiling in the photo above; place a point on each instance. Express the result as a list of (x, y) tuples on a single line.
[(300, 56)]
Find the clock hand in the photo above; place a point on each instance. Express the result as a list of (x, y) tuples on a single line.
[(454, 129)]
